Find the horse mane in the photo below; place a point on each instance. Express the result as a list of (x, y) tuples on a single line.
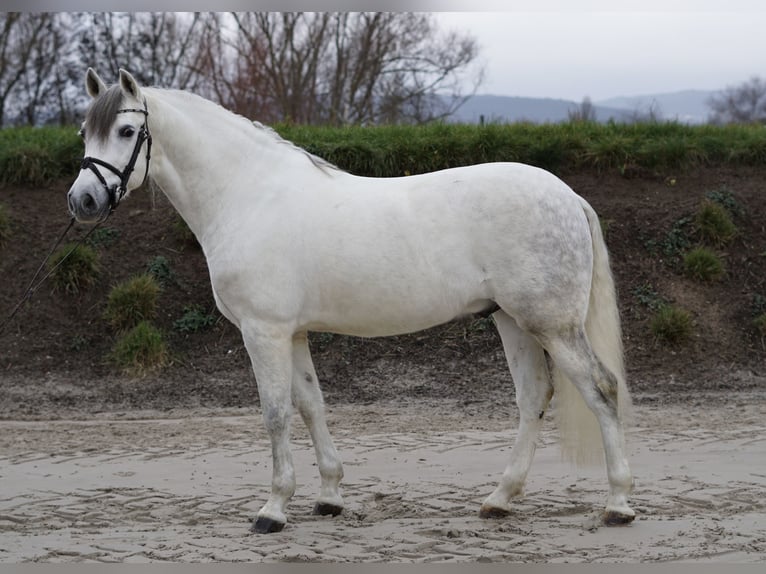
[(318, 162), (100, 115)]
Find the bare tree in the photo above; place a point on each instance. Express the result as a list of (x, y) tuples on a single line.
[(354, 68), (21, 38), (335, 68), (585, 112), (646, 113), (49, 53), (230, 68), (282, 53), (159, 48), (743, 103), (167, 45), (37, 86)]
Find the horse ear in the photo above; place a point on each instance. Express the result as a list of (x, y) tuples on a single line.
[(129, 85), (94, 85)]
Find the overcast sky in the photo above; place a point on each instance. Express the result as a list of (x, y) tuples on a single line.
[(570, 53), (560, 48)]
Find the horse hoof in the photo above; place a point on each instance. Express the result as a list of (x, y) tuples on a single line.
[(326, 509), (614, 518), (487, 511), (264, 525)]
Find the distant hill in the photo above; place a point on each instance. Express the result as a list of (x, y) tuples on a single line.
[(688, 106)]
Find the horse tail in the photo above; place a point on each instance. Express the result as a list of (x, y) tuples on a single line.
[(580, 433)]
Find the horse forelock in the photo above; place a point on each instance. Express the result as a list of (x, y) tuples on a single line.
[(102, 112)]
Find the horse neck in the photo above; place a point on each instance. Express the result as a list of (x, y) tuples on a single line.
[(210, 162)]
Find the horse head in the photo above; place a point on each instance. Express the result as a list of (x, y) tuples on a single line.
[(115, 131)]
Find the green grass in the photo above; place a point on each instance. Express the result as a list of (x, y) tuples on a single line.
[(671, 324), (140, 350), (131, 302), (37, 156), (104, 237), (703, 264), (726, 199), (648, 297), (760, 324), (5, 225), (159, 268), (398, 150), (193, 320), (676, 240), (714, 224), (77, 267)]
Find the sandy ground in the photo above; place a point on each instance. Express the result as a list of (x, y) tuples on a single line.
[(131, 487)]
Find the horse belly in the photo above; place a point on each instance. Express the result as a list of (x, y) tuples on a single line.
[(393, 303)]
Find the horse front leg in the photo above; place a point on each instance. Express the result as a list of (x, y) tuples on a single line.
[(270, 350), (307, 398)]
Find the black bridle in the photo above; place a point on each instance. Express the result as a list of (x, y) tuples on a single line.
[(117, 192)]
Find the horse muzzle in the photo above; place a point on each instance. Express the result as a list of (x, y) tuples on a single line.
[(90, 204)]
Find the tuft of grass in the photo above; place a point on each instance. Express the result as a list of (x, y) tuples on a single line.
[(140, 350), (76, 267), (104, 237), (78, 343), (159, 268), (703, 264), (760, 324), (193, 320), (714, 224), (671, 324), (648, 297), (132, 302), (5, 225), (726, 199), (676, 240)]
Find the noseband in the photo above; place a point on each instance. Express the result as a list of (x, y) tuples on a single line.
[(116, 193)]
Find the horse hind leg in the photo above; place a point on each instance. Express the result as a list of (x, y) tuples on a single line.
[(307, 398), (572, 353), (531, 377)]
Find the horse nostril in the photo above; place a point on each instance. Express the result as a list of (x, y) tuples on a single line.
[(88, 202)]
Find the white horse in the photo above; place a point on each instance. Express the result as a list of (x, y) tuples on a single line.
[(294, 244)]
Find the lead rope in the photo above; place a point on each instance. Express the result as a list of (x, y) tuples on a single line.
[(34, 284)]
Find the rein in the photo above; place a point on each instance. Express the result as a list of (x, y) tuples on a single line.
[(116, 193), (34, 284)]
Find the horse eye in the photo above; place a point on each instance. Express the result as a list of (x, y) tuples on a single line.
[(127, 132), (81, 133)]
